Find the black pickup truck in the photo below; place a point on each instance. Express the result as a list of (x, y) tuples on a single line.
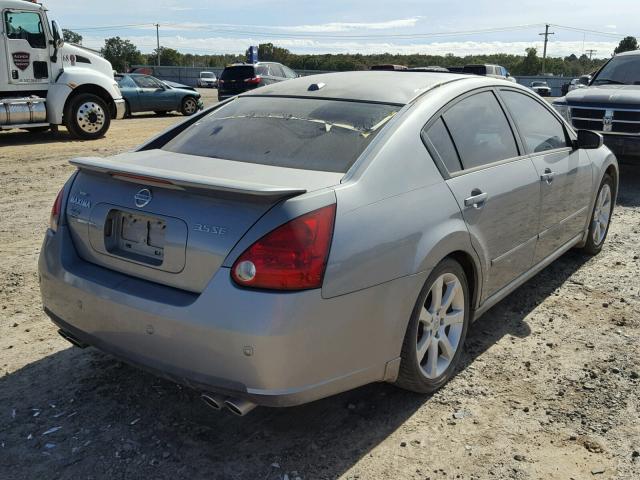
[(610, 105)]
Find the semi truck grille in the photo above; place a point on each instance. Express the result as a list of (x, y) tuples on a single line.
[(606, 120)]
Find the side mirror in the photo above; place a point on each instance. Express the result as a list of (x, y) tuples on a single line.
[(58, 41), (589, 140)]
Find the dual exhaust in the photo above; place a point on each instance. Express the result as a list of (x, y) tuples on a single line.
[(237, 406)]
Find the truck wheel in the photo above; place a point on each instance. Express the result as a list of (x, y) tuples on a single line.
[(87, 117), (189, 106)]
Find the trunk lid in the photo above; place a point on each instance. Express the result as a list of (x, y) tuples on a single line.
[(173, 218)]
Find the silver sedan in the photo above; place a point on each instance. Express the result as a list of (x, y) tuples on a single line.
[(319, 234)]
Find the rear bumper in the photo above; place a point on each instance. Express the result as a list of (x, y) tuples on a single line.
[(273, 349), (623, 146)]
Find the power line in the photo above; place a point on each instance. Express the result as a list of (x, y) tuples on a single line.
[(591, 51)]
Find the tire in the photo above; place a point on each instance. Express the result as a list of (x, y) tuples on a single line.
[(189, 106), (600, 218), (418, 371), (160, 112), (87, 116)]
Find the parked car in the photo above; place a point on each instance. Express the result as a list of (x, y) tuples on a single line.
[(315, 235), (207, 80), (144, 93), (580, 82), (610, 104), (495, 71), (388, 67), (541, 88), (240, 77)]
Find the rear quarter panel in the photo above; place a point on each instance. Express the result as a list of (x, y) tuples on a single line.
[(395, 214)]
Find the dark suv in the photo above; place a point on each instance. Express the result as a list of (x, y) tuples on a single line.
[(240, 77)]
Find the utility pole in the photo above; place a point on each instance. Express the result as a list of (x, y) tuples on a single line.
[(591, 51), (544, 52), (158, 41)]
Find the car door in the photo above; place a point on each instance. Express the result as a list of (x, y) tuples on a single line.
[(497, 189), (27, 54), (129, 90), (154, 95), (565, 173)]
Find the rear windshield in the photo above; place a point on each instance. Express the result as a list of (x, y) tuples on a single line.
[(237, 73), (309, 134), (475, 69)]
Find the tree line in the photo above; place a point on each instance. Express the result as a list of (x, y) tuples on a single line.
[(123, 54)]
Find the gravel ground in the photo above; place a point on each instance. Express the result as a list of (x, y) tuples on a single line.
[(548, 388)]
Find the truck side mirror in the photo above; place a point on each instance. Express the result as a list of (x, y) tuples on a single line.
[(58, 41)]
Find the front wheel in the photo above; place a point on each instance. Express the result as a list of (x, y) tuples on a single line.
[(601, 217), (189, 106), (438, 327), (87, 116)]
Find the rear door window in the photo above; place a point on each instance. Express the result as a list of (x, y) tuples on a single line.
[(438, 139), (276, 70), (480, 130), (540, 129), (309, 134)]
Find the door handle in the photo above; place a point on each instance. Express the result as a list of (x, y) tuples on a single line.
[(477, 199), (547, 176)]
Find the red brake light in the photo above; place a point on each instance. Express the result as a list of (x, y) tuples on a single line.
[(254, 80), (291, 257), (55, 212)]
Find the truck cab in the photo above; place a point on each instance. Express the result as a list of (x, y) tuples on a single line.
[(45, 82), (610, 105)]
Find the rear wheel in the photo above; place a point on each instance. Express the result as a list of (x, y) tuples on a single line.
[(601, 217), (87, 116), (189, 106), (438, 327)]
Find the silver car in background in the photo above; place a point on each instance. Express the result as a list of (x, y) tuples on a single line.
[(323, 233)]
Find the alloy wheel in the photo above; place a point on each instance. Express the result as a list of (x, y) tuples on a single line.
[(601, 214), (90, 117), (440, 326)]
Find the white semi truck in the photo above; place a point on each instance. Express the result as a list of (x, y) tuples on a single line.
[(45, 82)]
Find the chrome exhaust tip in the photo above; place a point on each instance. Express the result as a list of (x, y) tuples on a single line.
[(214, 401), (239, 406)]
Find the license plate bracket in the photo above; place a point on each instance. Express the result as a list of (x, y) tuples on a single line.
[(135, 236)]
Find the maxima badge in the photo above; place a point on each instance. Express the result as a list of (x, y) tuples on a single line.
[(143, 197)]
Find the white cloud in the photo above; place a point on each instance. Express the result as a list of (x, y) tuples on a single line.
[(348, 26)]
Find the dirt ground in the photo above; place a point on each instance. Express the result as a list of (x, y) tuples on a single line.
[(548, 389)]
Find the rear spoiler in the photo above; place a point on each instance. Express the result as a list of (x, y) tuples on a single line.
[(177, 179)]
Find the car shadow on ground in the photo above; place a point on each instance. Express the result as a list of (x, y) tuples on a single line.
[(136, 423), (629, 190)]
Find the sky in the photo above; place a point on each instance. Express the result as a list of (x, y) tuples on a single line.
[(460, 27)]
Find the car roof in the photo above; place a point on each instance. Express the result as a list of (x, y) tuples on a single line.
[(632, 52), (399, 87)]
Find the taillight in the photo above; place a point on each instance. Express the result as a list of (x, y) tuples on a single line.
[(55, 212), (291, 257), (254, 80)]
